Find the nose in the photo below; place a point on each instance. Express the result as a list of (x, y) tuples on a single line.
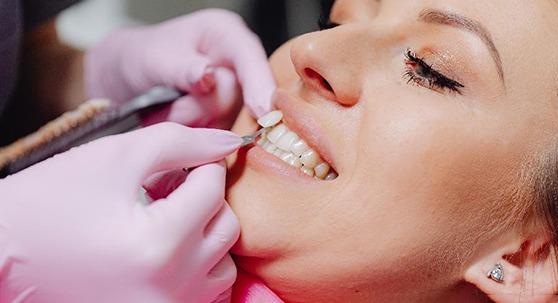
[(328, 65)]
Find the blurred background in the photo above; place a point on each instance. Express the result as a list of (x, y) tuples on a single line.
[(275, 21), (84, 24)]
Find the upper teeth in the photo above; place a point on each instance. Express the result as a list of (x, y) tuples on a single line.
[(288, 146)]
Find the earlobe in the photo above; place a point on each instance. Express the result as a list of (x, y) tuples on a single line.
[(524, 271), (508, 289)]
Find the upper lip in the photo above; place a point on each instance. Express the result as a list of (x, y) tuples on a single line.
[(302, 121)]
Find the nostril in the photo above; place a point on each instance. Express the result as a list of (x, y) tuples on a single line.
[(315, 76)]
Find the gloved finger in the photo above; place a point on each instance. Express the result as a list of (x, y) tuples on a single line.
[(256, 80), (185, 110), (249, 61), (214, 288), (193, 204), (224, 297), (226, 100), (168, 146), (222, 232), (223, 275), (202, 110), (191, 72), (160, 185)]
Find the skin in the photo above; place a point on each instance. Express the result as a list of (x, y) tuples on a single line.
[(424, 173)]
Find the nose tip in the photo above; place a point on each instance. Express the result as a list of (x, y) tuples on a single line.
[(324, 68)]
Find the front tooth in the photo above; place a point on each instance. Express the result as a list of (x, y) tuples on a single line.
[(270, 119), (287, 140), (310, 158), (321, 170), (299, 147), (276, 133), (278, 152)]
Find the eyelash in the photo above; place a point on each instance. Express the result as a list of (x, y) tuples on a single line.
[(419, 72)]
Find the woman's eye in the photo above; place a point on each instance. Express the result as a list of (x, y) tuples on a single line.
[(419, 72), (325, 23)]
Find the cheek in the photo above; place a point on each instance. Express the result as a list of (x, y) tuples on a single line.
[(282, 66), (432, 174)]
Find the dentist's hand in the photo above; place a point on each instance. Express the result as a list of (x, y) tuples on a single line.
[(72, 229), (206, 54)]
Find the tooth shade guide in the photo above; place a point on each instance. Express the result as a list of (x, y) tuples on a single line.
[(270, 119)]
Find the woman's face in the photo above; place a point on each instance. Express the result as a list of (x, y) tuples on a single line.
[(428, 111)]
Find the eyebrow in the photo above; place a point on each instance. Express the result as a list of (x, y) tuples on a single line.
[(464, 23)]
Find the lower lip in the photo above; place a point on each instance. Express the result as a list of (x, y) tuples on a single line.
[(264, 162)]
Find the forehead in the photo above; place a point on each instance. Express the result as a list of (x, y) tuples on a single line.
[(522, 15), (524, 34)]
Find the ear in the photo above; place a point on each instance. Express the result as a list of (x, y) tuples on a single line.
[(529, 269)]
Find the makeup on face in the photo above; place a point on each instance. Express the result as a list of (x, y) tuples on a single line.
[(418, 173)]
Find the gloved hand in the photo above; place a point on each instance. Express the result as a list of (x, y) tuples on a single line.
[(193, 53), (72, 229)]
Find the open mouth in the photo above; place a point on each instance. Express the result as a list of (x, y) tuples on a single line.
[(287, 145)]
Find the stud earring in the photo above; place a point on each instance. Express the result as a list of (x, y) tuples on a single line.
[(496, 273)]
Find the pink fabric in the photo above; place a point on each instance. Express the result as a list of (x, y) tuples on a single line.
[(248, 289)]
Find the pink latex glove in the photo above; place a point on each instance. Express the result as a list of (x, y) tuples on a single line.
[(193, 53), (72, 228)]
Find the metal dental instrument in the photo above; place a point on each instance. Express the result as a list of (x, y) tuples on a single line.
[(251, 138), (247, 140)]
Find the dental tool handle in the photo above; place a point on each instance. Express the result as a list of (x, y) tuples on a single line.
[(111, 121)]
